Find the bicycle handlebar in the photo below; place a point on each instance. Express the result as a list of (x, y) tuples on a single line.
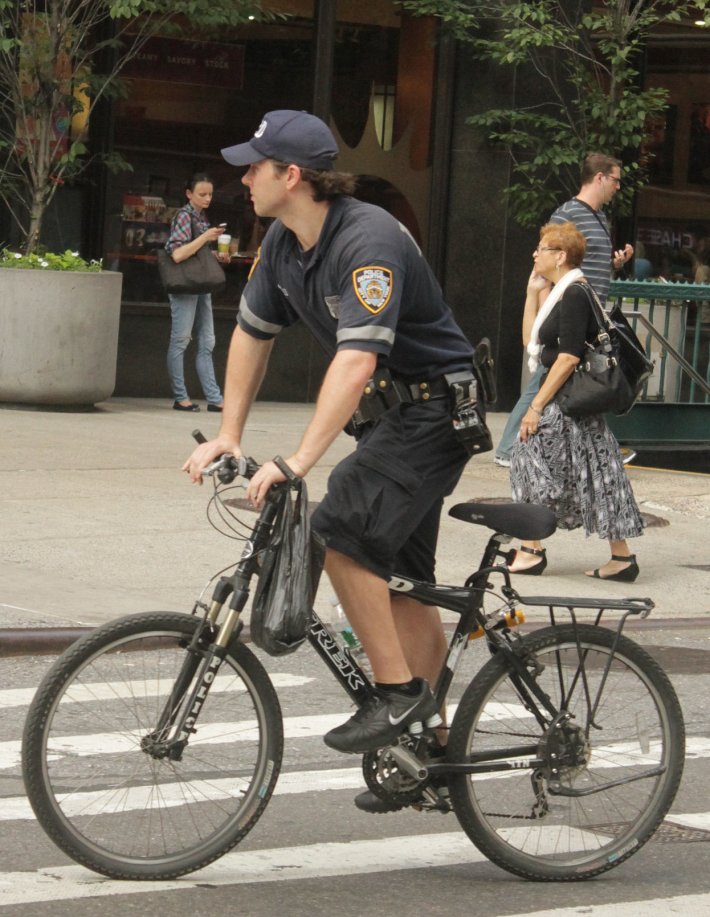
[(228, 467)]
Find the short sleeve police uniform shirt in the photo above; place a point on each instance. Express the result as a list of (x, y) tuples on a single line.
[(365, 286)]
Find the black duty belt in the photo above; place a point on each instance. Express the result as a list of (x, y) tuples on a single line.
[(383, 392), (394, 391)]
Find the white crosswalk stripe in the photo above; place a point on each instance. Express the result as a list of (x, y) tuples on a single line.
[(238, 868), (295, 727), (344, 778), (314, 861), (83, 693)]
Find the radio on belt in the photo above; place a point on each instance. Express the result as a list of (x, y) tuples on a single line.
[(469, 427)]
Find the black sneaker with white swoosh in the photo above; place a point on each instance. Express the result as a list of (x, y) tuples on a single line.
[(383, 718)]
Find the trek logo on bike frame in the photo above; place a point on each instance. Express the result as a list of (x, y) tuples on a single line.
[(336, 656)]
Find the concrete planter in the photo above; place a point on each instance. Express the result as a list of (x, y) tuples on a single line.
[(58, 336)]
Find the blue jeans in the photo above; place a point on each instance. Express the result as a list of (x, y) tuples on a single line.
[(512, 427), (192, 310)]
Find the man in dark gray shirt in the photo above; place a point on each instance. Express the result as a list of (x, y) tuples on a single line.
[(601, 179)]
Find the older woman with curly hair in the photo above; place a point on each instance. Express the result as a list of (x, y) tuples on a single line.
[(571, 464)]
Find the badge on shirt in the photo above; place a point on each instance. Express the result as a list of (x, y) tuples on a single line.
[(373, 287)]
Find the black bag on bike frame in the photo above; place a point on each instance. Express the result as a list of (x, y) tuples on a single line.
[(291, 566)]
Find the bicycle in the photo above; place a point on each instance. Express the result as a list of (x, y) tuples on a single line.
[(154, 744)]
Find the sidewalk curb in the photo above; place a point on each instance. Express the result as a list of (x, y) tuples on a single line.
[(48, 641), (39, 641)]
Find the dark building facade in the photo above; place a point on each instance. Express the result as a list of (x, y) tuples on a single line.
[(397, 97)]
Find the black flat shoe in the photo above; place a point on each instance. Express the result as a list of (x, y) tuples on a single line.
[(537, 568), (215, 408), (368, 802), (185, 407), (627, 575)]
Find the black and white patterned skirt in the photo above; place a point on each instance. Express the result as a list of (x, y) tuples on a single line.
[(573, 465)]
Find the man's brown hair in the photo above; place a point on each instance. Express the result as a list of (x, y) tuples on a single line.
[(598, 162), (326, 184)]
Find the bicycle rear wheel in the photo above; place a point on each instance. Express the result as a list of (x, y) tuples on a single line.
[(625, 759), (113, 806)]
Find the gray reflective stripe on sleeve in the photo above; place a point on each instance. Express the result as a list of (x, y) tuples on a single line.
[(258, 323), (366, 333)]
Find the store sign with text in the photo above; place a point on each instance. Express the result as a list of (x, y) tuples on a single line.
[(200, 63)]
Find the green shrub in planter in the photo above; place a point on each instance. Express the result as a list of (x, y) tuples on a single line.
[(67, 261)]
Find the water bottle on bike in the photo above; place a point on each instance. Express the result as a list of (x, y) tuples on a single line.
[(343, 629)]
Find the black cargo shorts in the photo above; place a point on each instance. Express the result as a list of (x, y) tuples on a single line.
[(383, 502)]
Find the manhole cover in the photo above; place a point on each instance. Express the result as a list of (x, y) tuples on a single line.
[(669, 833)]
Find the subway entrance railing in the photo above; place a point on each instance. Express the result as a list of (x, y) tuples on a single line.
[(672, 320)]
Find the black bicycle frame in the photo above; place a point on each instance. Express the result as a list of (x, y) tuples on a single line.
[(179, 716), (202, 663)]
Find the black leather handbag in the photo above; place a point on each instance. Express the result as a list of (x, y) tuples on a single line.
[(200, 273), (611, 374)]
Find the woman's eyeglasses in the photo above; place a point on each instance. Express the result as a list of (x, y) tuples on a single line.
[(546, 248)]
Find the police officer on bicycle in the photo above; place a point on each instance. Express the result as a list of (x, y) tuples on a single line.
[(400, 378)]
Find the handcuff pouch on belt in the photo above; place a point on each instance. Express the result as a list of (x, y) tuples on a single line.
[(383, 392)]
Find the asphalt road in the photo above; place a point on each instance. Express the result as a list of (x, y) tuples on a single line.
[(313, 853)]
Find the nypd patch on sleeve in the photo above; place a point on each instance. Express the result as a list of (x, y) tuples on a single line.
[(373, 287)]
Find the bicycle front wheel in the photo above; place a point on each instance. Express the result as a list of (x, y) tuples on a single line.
[(582, 797), (100, 794)]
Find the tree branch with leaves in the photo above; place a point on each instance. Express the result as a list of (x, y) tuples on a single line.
[(59, 59), (589, 62)]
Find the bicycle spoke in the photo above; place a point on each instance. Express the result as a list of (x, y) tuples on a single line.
[(111, 796), (627, 761)]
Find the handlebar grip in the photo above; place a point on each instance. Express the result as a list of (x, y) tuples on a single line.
[(197, 435)]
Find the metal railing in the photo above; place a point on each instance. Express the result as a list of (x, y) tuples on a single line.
[(675, 317)]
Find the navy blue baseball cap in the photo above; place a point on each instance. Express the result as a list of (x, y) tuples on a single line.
[(288, 136)]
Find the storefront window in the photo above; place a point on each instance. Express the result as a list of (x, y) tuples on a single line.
[(673, 239), (189, 99)]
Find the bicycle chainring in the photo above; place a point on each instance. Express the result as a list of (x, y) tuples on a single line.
[(383, 776)]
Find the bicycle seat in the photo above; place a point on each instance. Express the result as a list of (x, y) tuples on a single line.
[(528, 521)]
